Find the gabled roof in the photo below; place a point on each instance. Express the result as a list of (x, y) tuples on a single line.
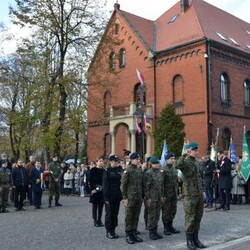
[(199, 20)]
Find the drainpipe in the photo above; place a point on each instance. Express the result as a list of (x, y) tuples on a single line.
[(209, 92), (154, 125)]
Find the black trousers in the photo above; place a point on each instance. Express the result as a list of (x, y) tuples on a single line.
[(225, 197), (20, 193), (97, 212), (37, 198), (111, 215)]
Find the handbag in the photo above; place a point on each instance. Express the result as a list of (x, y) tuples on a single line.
[(240, 181), (67, 182)]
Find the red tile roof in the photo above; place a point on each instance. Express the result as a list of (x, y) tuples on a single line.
[(200, 20)]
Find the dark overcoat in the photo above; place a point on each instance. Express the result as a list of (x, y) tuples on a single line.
[(225, 179)]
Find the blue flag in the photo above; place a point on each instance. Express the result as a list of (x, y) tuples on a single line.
[(163, 154), (232, 153)]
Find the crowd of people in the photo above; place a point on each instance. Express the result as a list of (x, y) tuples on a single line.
[(24, 184), (200, 182)]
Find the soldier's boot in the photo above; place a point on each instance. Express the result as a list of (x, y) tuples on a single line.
[(197, 242), (100, 223), (172, 229), (57, 204), (4, 210), (135, 235), (96, 224), (49, 204), (152, 234), (190, 241), (129, 237), (166, 229), (158, 235)]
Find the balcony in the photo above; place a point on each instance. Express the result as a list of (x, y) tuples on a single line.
[(127, 110)]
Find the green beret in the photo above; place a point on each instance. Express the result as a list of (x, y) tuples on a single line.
[(154, 160), (193, 146)]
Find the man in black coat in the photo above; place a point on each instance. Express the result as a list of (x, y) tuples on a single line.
[(224, 181), (112, 195), (20, 183), (208, 169), (37, 189)]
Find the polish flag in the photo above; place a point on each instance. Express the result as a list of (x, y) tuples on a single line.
[(140, 77)]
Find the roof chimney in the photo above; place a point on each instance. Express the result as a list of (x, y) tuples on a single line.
[(184, 5), (117, 5)]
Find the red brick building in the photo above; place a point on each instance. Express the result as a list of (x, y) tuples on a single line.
[(195, 56)]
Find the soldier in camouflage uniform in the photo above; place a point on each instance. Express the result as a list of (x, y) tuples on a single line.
[(153, 192), (193, 199), (54, 181), (5, 181), (171, 184), (131, 188)]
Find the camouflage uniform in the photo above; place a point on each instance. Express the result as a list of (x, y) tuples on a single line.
[(169, 207), (192, 198), (153, 190), (54, 187), (5, 180), (192, 192), (131, 188)]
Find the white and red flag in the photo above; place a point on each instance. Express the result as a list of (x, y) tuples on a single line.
[(140, 77)]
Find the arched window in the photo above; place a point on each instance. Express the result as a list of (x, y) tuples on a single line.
[(107, 103), (224, 88), (122, 58), (178, 92), (226, 136), (107, 145), (246, 86), (112, 61)]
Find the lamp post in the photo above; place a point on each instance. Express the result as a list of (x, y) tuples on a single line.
[(140, 104)]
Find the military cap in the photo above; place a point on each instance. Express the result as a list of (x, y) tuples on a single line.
[(154, 160), (169, 155), (113, 158), (133, 156), (193, 146), (54, 155)]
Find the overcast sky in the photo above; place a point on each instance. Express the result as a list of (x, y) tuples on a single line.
[(144, 8)]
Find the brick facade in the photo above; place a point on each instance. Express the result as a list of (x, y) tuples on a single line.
[(198, 65)]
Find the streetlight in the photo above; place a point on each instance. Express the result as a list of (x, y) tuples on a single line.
[(140, 104)]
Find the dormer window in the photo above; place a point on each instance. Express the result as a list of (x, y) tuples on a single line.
[(221, 36), (173, 18), (232, 40)]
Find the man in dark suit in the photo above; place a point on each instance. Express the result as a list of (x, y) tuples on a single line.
[(224, 180), (35, 175)]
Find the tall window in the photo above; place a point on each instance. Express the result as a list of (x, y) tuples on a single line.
[(107, 102), (226, 136), (178, 93), (122, 58), (246, 86), (224, 88), (112, 61), (107, 145)]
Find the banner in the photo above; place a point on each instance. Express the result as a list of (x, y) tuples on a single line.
[(163, 153), (245, 162)]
